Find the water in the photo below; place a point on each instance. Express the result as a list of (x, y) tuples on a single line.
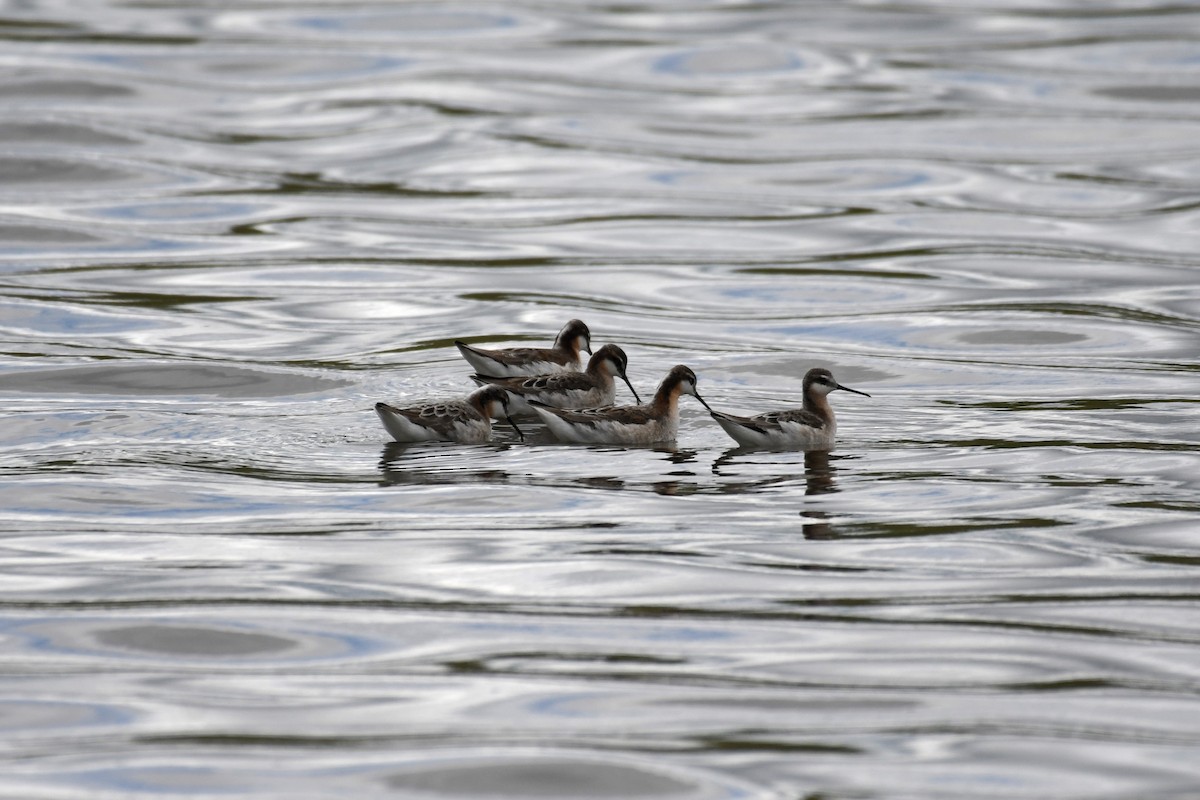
[(225, 232)]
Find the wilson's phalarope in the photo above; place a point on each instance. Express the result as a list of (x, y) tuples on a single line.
[(812, 427), (588, 389), (516, 361), (468, 421), (656, 421)]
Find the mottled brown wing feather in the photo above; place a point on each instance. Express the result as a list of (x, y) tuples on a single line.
[(798, 415), (628, 415), (560, 382), (519, 355), (440, 417)]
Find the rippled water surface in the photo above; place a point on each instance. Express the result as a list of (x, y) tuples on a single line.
[(226, 230)]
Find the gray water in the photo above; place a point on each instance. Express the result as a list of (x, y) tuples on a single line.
[(227, 230)]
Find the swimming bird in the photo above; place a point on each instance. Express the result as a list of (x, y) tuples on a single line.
[(812, 427), (588, 389), (656, 421), (513, 361), (468, 421)]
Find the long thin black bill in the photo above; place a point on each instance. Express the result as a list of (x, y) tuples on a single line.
[(630, 385)]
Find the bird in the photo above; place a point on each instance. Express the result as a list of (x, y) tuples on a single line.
[(588, 389), (656, 421), (511, 362), (468, 421), (812, 427)]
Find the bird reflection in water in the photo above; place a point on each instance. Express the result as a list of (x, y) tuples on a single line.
[(680, 458), (432, 465), (818, 479), (436, 464)]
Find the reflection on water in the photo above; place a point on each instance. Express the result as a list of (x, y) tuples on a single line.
[(818, 479), (536, 775), (165, 379), (225, 233)]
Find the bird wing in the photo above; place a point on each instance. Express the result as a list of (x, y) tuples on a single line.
[(558, 382), (627, 415), (555, 382), (515, 356), (797, 416), (441, 417), (753, 423)]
